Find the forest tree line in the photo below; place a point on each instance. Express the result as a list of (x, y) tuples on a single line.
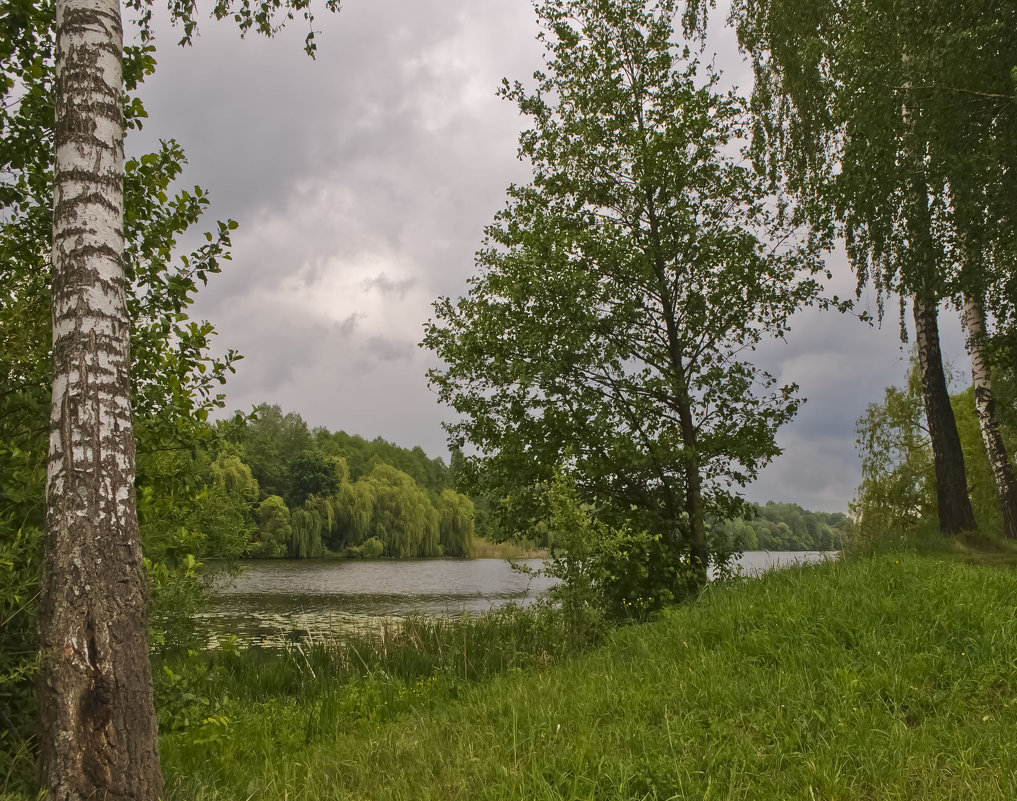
[(785, 527), (291, 491)]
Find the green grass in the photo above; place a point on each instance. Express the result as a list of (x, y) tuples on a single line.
[(508, 549), (982, 547), (886, 678)]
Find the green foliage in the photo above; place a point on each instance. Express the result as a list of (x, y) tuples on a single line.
[(785, 527), (229, 473), (271, 441), (604, 573), (621, 289), (185, 698), (305, 534), (455, 523), (898, 489), (362, 455), (343, 490), (403, 518), (981, 483), (313, 473), (176, 593), (895, 121), (195, 507), (274, 530), (20, 560), (369, 549), (355, 509), (265, 17)]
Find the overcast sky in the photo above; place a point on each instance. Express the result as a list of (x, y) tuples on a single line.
[(362, 182)]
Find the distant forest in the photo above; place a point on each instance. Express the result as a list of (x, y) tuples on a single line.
[(286, 490), (312, 491), (785, 527)]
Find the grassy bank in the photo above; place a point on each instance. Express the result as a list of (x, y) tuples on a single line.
[(510, 549), (894, 677)]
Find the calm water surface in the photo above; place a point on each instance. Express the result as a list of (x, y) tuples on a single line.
[(274, 600)]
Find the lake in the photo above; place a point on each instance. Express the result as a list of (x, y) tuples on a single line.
[(273, 600)]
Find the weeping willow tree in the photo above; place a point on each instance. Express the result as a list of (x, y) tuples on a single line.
[(309, 525), (455, 523), (404, 518), (232, 474), (355, 511), (274, 528), (305, 535)]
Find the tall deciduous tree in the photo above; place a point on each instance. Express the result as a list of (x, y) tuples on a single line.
[(965, 59), (99, 736), (895, 121), (621, 288), (174, 377)]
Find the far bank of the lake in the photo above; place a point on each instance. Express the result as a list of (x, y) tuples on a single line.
[(891, 678)]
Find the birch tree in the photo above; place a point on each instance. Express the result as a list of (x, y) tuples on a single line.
[(893, 122), (98, 727)]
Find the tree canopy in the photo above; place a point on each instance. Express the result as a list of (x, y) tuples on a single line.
[(342, 491), (620, 290), (894, 125)]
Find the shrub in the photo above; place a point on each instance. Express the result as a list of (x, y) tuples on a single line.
[(371, 549)]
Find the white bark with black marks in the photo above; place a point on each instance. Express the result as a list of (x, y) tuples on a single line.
[(999, 461), (97, 721)]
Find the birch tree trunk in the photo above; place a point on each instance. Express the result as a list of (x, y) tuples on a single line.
[(953, 504), (999, 461), (97, 721)]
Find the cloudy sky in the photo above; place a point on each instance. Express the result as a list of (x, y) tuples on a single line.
[(362, 182)]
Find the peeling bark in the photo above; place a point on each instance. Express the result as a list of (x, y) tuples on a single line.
[(953, 504), (999, 461), (97, 720)]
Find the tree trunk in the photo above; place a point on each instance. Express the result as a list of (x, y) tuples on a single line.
[(97, 721), (698, 548), (954, 506), (999, 461)]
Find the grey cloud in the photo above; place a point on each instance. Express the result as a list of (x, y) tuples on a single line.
[(348, 325), (375, 169), (390, 350), (387, 286)]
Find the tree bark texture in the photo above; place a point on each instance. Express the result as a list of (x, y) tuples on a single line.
[(97, 720), (953, 504), (999, 460), (698, 548)]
